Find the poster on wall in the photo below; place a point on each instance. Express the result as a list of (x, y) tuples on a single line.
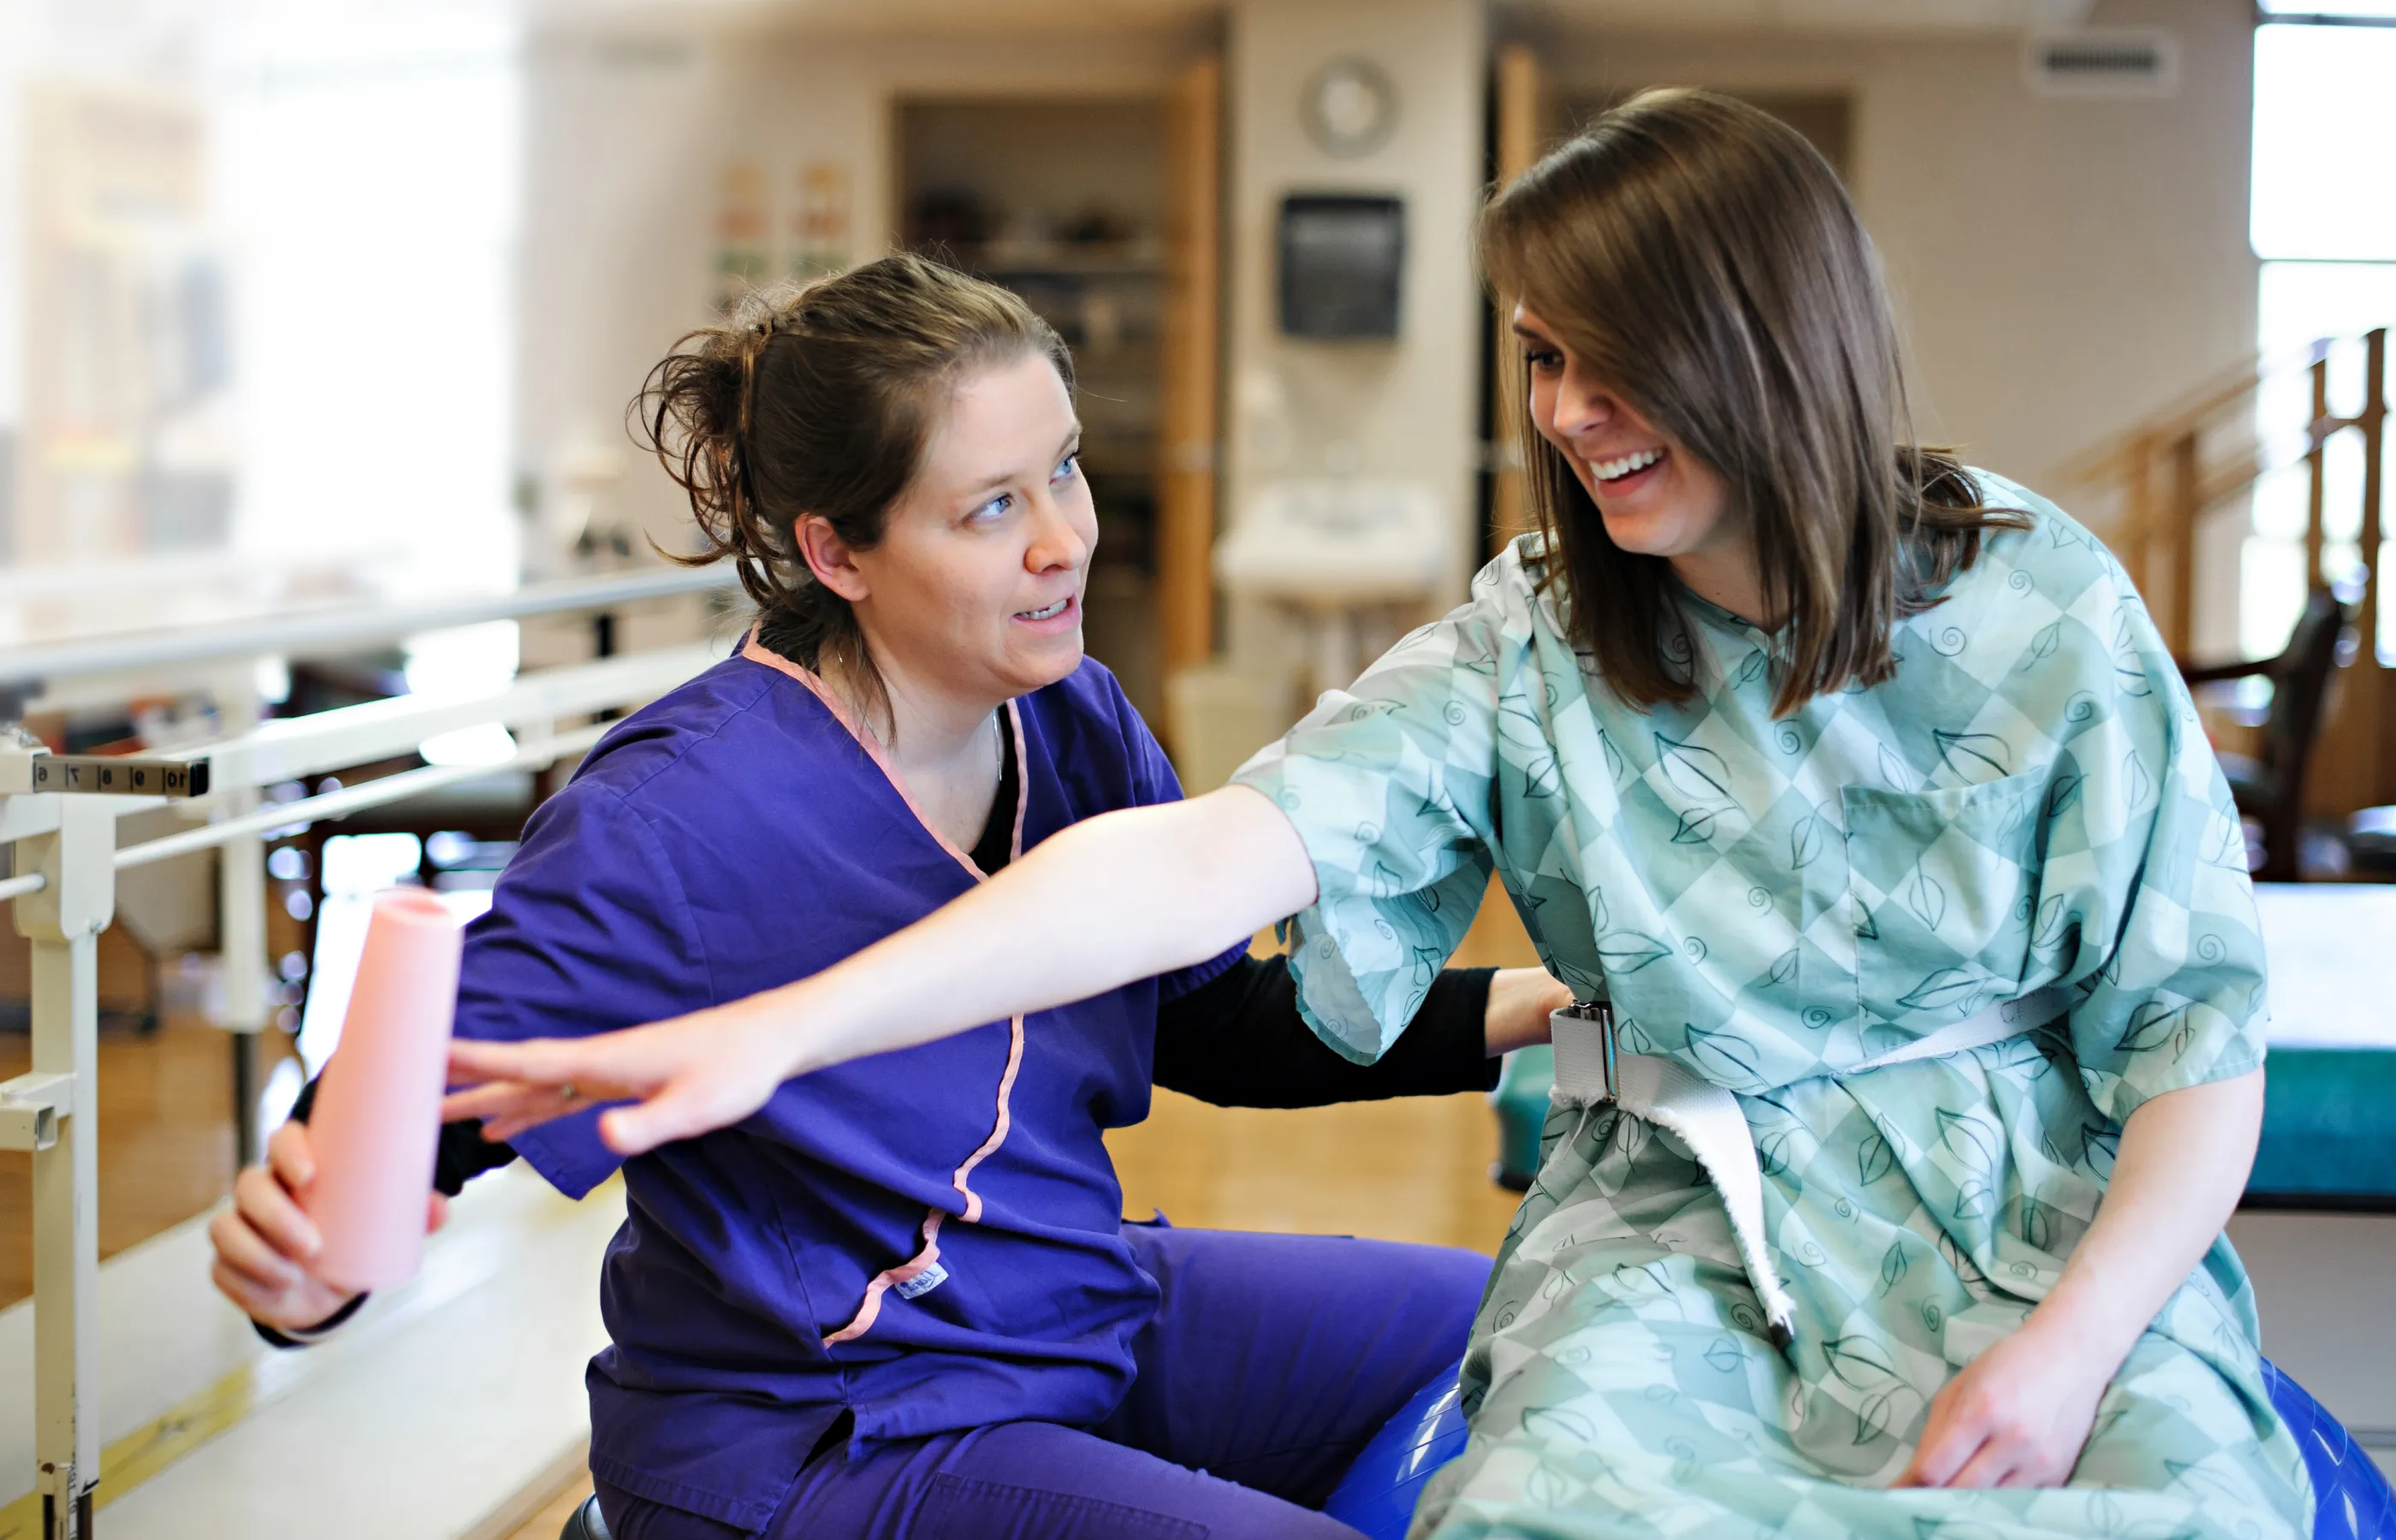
[(128, 448), (819, 224), (742, 234)]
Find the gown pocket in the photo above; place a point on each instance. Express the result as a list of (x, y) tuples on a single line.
[(1945, 887)]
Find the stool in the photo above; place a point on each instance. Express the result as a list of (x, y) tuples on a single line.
[(585, 1523)]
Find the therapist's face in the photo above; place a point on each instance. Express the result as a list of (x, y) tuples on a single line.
[(974, 590)]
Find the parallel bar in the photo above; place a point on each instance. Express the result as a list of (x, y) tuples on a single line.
[(335, 629), (68, 899), (66, 1235), (63, 922), (294, 748), (352, 799), (241, 924)]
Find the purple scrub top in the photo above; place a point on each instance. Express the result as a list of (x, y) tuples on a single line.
[(931, 1239)]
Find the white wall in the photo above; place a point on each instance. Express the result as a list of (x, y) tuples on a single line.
[(2062, 266), (1407, 408), (627, 141)]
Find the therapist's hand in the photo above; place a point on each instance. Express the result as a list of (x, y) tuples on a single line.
[(265, 1243), (684, 1077), (1520, 1002)]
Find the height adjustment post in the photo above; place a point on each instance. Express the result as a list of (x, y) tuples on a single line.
[(53, 1111)]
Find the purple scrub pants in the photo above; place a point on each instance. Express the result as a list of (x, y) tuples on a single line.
[(1270, 1361)]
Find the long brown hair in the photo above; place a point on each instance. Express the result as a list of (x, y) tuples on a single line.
[(818, 399), (1704, 262)]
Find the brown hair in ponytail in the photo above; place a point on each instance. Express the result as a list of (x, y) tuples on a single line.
[(818, 399)]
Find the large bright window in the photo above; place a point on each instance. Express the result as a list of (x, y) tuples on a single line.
[(369, 163), (258, 280), (2326, 232)]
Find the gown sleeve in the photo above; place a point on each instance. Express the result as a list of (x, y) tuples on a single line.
[(2143, 830), (1388, 784)]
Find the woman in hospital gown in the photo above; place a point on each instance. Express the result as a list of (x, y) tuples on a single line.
[(1957, 769), (2028, 801)]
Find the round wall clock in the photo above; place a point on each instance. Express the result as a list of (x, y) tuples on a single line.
[(1351, 107)]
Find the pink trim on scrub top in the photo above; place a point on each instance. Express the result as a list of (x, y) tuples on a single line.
[(755, 652)]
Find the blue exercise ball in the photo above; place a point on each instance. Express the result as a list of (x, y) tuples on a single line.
[(2352, 1495), (1378, 1493)]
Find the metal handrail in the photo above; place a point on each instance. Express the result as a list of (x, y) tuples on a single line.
[(63, 908), (353, 798), (336, 629)]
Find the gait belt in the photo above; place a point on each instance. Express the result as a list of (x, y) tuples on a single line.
[(1590, 1072)]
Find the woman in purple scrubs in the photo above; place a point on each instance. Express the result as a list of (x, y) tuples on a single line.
[(901, 1298)]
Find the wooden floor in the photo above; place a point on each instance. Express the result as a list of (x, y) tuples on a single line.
[(166, 1136)]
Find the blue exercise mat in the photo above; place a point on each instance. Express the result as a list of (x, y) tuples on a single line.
[(1378, 1493)]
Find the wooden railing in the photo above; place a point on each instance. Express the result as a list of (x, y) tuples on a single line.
[(2168, 473)]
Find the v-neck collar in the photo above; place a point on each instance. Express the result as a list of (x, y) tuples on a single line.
[(755, 651)]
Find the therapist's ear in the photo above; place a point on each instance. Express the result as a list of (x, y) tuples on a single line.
[(830, 558)]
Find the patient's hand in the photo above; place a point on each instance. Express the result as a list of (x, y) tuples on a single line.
[(2017, 1416), (264, 1242), (684, 1077)]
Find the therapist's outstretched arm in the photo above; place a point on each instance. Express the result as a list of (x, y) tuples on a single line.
[(1110, 899)]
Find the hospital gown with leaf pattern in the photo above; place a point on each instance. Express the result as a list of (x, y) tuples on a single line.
[(2029, 800)]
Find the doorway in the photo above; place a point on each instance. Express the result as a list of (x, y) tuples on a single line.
[(1064, 201)]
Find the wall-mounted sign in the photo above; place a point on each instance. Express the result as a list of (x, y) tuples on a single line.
[(742, 234), (1351, 107), (1342, 255), (818, 226)]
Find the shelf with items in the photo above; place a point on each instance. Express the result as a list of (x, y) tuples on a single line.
[(1060, 201)]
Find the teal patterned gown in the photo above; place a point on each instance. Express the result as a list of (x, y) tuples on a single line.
[(2030, 801)]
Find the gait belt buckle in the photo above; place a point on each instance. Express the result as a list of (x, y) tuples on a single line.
[(1582, 1034)]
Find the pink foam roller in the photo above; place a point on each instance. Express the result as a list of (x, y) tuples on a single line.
[(378, 1115)]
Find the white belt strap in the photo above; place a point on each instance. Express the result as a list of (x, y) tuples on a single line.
[(1709, 1120)]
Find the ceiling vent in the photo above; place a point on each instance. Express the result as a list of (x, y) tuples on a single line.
[(2108, 62)]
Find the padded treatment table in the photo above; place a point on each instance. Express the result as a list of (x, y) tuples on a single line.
[(2329, 1109), (2329, 1102)]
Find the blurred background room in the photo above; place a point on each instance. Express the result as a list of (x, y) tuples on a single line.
[(319, 319)]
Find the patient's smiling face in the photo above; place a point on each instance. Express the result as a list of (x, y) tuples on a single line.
[(1655, 496)]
